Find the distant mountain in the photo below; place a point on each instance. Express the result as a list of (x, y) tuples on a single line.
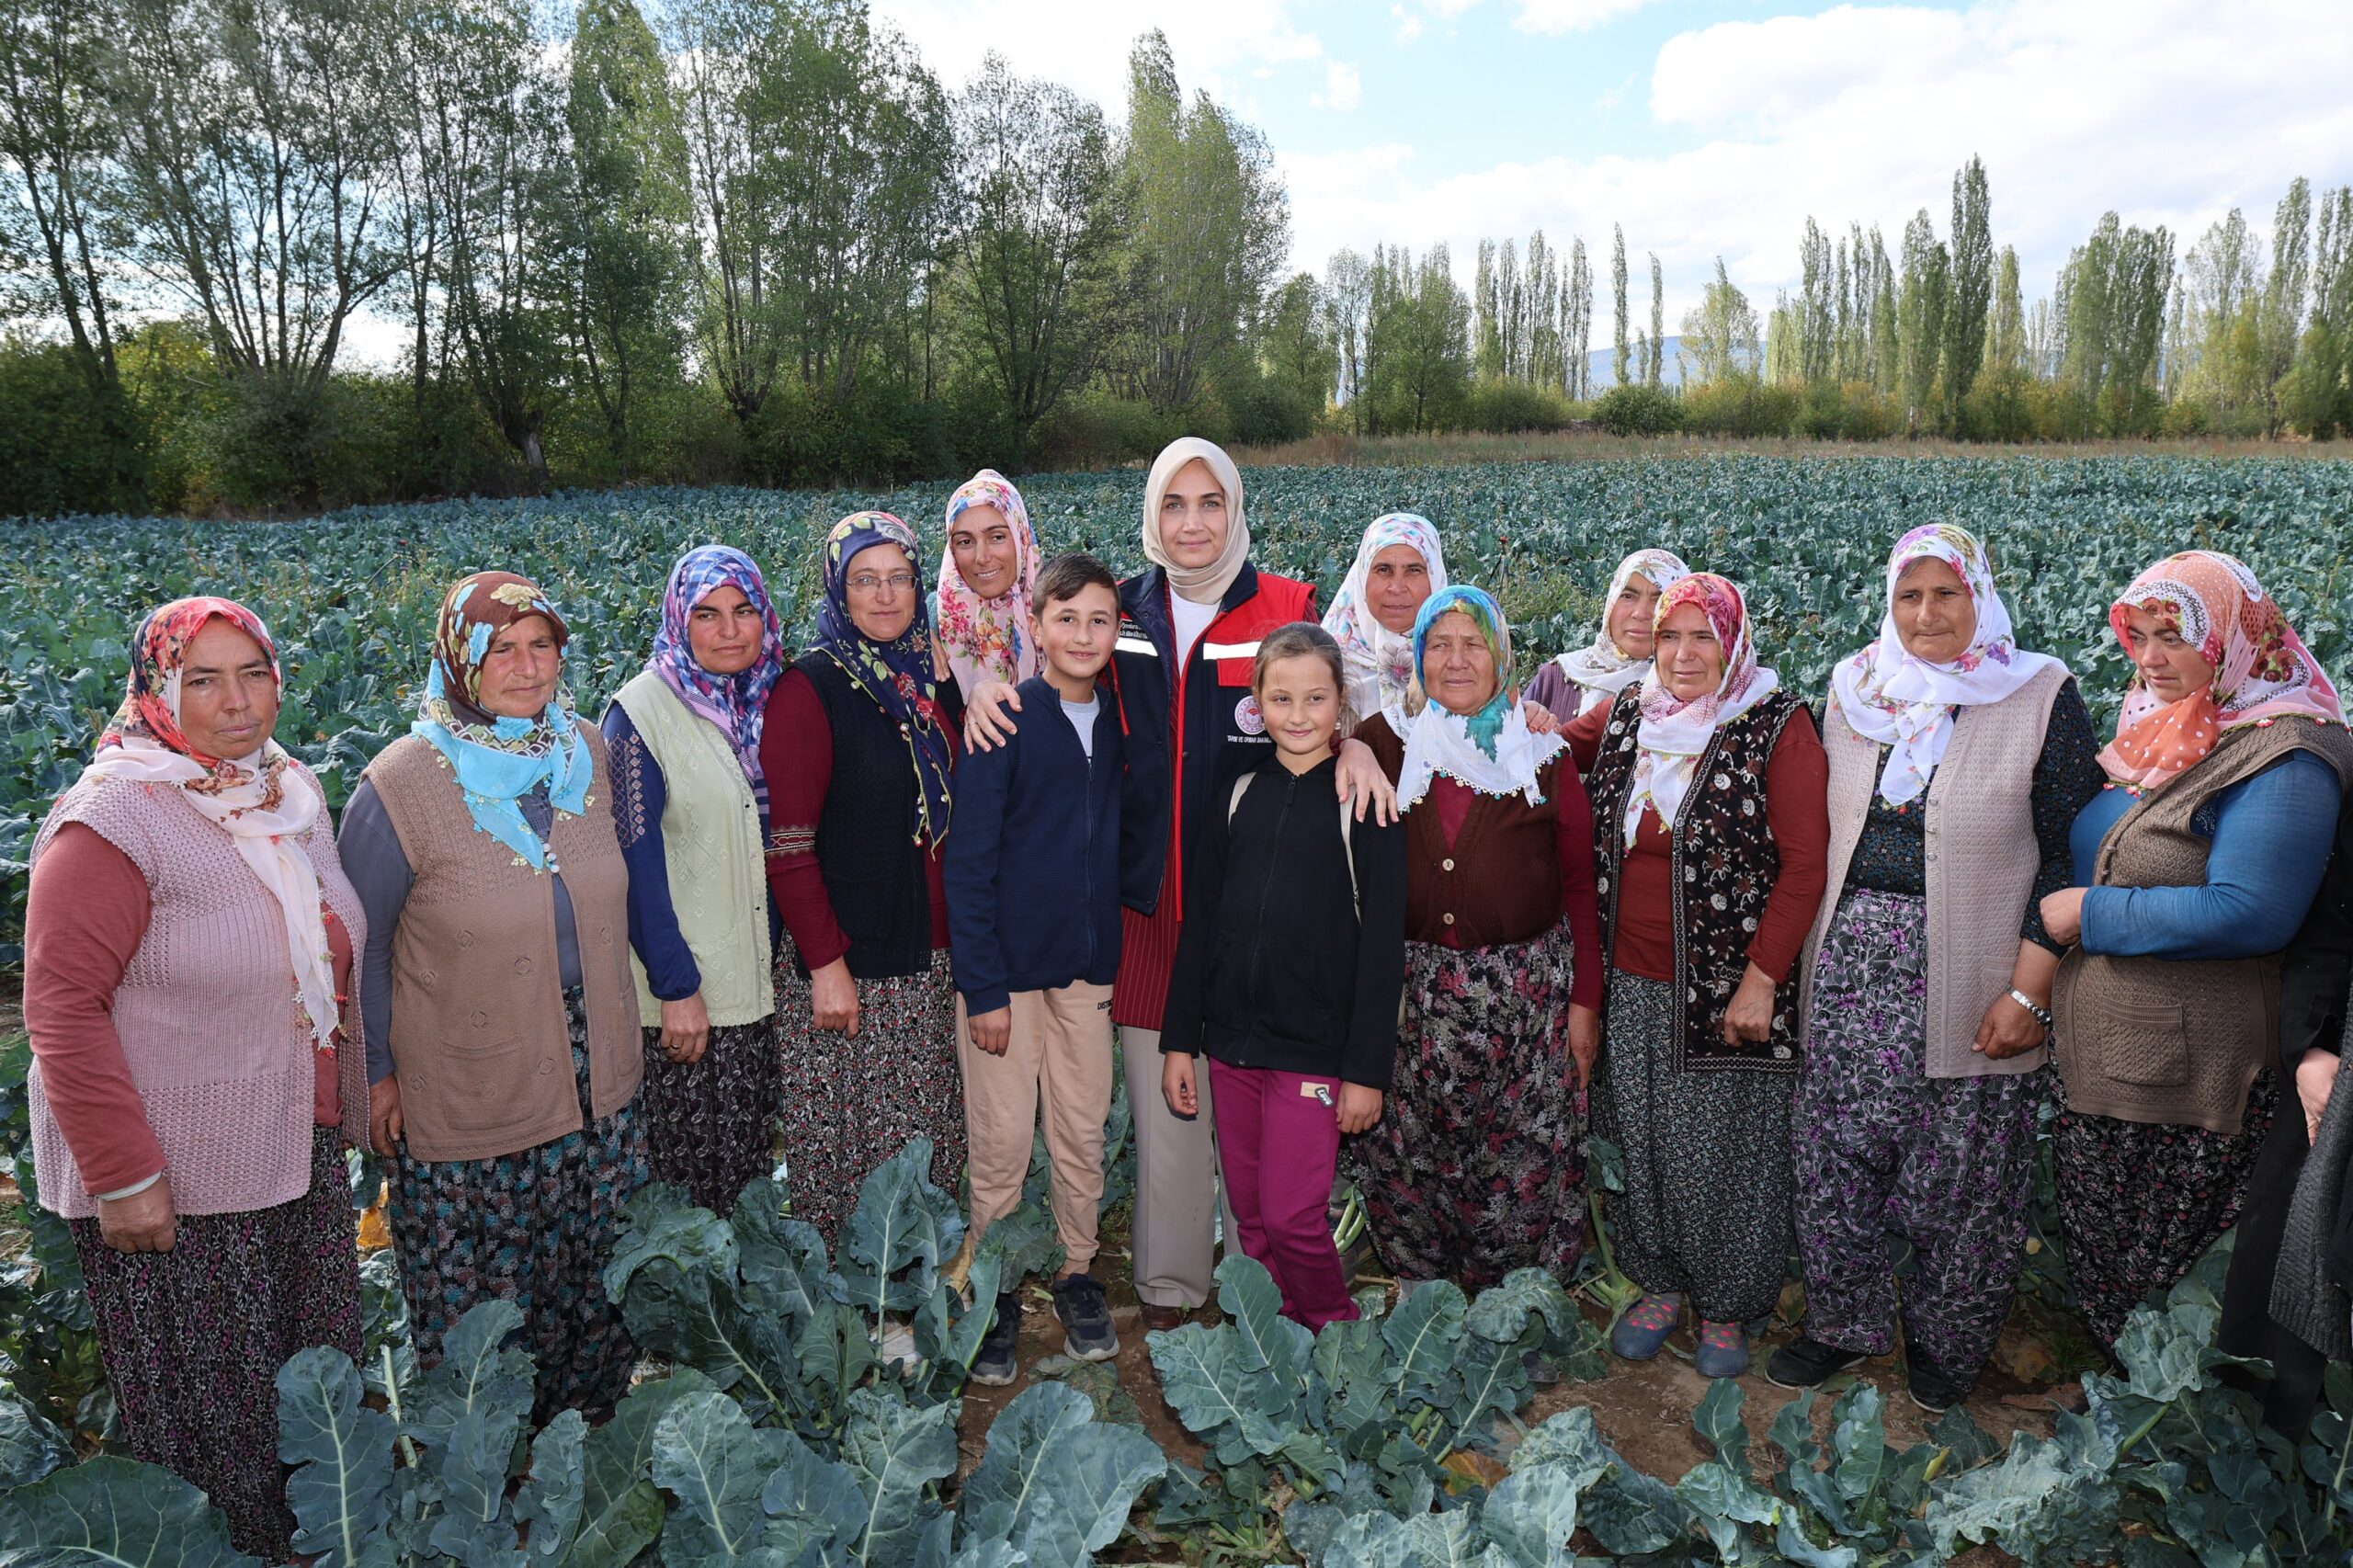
[(1600, 364)]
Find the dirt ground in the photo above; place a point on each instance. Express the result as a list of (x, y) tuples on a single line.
[(1644, 1409)]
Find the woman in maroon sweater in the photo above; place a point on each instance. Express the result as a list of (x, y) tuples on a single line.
[(1479, 1168), (1710, 781), (859, 748)]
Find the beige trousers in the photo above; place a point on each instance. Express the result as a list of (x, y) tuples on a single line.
[(1178, 1196), (1059, 1059)]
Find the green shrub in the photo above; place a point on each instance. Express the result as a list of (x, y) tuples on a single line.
[(1740, 405), (1510, 408), (1639, 411), (66, 444)]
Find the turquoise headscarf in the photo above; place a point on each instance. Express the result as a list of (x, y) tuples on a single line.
[(499, 759), (1488, 617)]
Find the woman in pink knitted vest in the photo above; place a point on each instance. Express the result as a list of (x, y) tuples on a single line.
[(188, 976)]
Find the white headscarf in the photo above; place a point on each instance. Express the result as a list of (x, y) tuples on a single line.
[(1379, 661), (1673, 734), (1907, 704), (1492, 751), (1603, 666), (1201, 584)]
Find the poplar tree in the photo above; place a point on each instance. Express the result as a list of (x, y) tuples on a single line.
[(1973, 284), (1650, 371), (1927, 289), (1621, 355)]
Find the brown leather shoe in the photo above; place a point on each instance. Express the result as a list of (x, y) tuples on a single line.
[(1162, 1317)]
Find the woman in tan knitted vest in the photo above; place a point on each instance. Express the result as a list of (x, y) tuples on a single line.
[(2201, 857), (1958, 762), (502, 1018), (188, 969)]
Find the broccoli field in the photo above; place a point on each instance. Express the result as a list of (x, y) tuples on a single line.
[(769, 1432)]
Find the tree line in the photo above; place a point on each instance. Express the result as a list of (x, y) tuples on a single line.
[(752, 239), (2236, 338), (760, 240)]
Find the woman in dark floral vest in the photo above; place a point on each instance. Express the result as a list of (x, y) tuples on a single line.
[(1711, 821)]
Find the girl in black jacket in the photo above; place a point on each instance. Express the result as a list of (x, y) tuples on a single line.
[(1288, 976)]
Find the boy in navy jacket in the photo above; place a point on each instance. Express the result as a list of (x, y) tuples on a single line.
[(1032, 876)]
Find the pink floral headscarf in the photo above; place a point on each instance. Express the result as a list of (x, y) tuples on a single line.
[(2262, 669), (1673, 733), (988, 639)]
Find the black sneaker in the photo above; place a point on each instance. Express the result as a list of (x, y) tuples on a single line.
[(1805, 1363), (1930, 1389), (1087, 1319), (999, 1361)]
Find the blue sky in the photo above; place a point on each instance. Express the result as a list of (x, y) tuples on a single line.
[(1715, 127)]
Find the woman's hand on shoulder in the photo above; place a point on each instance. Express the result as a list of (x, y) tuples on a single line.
[(1541, 721), (986, 726), (144, 1221), (1362, 784)]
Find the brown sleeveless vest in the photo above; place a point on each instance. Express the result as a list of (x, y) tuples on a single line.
[(479, 1038)]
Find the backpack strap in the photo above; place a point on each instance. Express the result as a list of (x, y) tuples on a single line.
[(1347, 835)]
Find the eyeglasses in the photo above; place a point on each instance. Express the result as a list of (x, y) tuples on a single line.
[(898, 583)]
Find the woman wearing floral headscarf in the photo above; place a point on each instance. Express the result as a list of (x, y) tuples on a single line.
[(1399, 566), (1958, 762), (690, 805), (1619, 654), (188, 939), (501, 1018), (1479, 1167), (2199, 861), (1707, 804), (859, 748), (986, 576)]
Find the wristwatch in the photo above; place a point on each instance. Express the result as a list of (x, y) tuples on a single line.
[(2041, 1012)]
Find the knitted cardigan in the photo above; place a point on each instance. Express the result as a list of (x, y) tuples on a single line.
[(2176, 1041), (1982, 859), (208, 1014)]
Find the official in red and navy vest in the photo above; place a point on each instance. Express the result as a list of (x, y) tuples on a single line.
[(1188, 636)]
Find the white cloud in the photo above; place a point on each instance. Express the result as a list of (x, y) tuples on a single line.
[(1557, 16), (1411, 19), (2169, 111), (1342, 87)]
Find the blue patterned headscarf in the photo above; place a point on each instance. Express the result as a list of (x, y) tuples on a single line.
[(1488, 617), (499, 759), (737, 704), (897, 675)]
